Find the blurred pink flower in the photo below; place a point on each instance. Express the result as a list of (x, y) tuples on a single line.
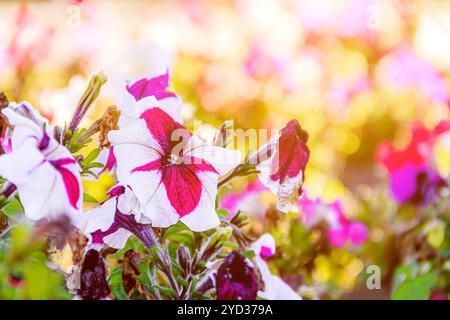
[(340, 229), (247, 201), (412, 175), (30, 41), (405, 69)]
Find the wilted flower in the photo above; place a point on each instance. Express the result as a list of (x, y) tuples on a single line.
[(283, 169), (236, 279), (340, 229), (413, 177), (45, 173), (275, 287), (93, 283), (173, 173)]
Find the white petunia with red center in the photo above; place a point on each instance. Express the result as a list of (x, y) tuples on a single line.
[(275, 287), (173, 173), (45, 173)]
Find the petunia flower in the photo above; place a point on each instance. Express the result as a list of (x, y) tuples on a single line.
[(173, 173), (283, 169), (413, 176), (341, 230), (45, 173), (113, 221), (236, 279), (275, 287)]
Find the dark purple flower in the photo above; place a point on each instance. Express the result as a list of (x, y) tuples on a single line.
[(93, 284), (236, 279)]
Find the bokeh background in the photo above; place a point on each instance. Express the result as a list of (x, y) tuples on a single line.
[(355, 73)]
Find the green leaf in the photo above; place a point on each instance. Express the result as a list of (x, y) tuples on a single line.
[(250, 254), (410, 291), (415, 289), (14, 207), (116, 284), (91, 156), (222, 213)]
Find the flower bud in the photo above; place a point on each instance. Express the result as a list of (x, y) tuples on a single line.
[(184, 259), (93, 284)]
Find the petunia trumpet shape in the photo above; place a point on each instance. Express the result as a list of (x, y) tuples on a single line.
[(45, 173), (283, 168), (173, 173), (275, 287), (113, 221)]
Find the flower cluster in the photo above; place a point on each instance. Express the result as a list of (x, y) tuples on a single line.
[(165, 176)]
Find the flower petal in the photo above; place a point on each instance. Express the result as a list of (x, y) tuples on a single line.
[(277, 289), (165, 130), (223, 160), (204, 216), (16, 166), (156, 86)]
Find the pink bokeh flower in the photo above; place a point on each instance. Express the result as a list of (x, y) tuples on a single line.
[(405, 70), (341, 230), (248, 201), (413, 177)]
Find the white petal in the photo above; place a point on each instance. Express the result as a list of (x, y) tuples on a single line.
[(17, 165), (133, 147), (15, 119), (138, 133), (127, 203), (144, 104), (44, 194), (155, 204), (118, 239), (223, 160), (204, 216), (277, 289), (172, 106), (100, 218), (265, 240)]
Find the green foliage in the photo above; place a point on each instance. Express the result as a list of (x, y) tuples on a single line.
[(75, 142), (24, 271), (412, 284), (116, 284)]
